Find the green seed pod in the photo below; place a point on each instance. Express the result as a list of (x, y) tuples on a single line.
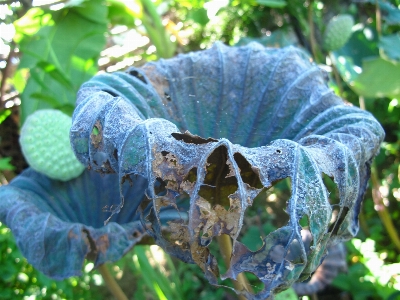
[(338, 32), (45, 144)]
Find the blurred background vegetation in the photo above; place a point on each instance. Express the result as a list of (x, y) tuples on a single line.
[(49, 48)]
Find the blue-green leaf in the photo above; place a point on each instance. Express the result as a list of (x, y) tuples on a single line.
[(390, 45), (255, 116)]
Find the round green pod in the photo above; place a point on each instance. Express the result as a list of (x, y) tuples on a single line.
[(337, 32), (45, 144)]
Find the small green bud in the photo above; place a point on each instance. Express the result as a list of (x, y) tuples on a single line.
[(45, 144), (337, 32)]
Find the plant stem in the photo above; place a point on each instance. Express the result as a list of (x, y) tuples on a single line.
[(156, 30), (111, 284), (361, 100), (337, 75), (225, 244), (382, 210), (378, 201), (311, 27), (378, 18)]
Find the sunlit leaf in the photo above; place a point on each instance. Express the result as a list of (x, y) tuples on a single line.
[(379, 78), (31, 22), (390, 45), (51, 55)]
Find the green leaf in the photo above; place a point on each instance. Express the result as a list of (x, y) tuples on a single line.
[(272, 3), (390, 45), (199, 15), (31, 22), (119, 14), (288, 294), (46, 98), (62, 56), (391, 14), (363, 43), (4, 115), (19, 79), (55, 73), (93, 11), (5, 164), (379, 78)]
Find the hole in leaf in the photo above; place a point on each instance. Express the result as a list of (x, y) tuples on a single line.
[(95, 130), (340, 218), (139, 76), (189, 138), (265, 215), (92, 255), (115, 154), (332, 189), (217, 245), (277, 198), (96, 134), (167, 96), (246, 171), (159, 187), (217, 187), (333, 197), (256, 284), (294, 253), (304, 221), (192, 175), (164, 153)]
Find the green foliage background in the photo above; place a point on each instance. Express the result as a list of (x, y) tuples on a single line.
[(58, 46)]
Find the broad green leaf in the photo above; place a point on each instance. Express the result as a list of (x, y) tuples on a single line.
[(390, 45), (61, 57), (93, 11), (55, 73), (379, 78), (45, 97), (31, 22)]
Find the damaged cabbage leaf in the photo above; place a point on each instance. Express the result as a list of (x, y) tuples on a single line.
[(57, 224), (218, 127)]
